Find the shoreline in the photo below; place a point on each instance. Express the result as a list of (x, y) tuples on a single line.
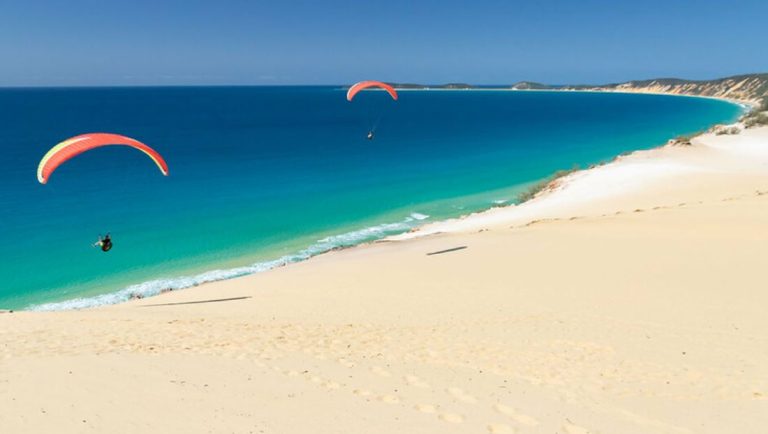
[(746, 104), (155, 287), (554, 187)]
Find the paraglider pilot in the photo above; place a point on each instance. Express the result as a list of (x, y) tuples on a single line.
[(105, 243)]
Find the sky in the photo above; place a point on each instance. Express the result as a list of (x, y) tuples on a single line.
[(256, 42)]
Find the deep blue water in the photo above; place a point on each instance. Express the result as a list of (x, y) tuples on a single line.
[(261, 174)]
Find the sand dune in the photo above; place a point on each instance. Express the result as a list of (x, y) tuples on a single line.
[(631, 300)]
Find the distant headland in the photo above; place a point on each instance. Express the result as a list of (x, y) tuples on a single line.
[(750, 88)]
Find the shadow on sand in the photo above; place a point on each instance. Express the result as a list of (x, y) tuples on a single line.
[(217, 300), (446, 250)]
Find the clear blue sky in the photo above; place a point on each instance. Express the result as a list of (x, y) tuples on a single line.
[(175, 42)]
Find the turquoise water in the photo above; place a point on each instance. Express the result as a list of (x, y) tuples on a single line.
[(266, 175)]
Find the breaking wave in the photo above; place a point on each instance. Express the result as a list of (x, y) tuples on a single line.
[(154, 287)]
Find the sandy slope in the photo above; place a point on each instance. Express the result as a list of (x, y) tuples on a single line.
[(634, 303)]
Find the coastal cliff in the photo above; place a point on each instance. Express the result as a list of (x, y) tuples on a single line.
[(751, 88), (748, 88)]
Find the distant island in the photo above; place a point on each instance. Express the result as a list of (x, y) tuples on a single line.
[(750, 88)]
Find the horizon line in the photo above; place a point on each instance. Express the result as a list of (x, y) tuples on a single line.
[(410, 83)]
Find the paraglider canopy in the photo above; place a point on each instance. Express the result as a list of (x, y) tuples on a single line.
[(75, 146), (357, 87)]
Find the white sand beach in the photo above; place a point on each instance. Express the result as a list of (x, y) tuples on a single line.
[(631, 299)]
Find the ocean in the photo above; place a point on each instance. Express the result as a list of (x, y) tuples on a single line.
[(262, 176)]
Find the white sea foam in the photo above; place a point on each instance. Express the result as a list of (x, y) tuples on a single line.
[(154, 287)]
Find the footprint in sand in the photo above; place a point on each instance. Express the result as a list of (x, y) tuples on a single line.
[(451, 418), (461, 395), (520, 418), (570, 428), (413, 380), (332, 385), (426, 408), (500, 428), (378, 370), (346, 363), (389, 399)]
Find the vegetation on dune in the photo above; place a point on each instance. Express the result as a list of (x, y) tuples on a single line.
[(758, 116), (545, 185), (683, 140), (755, 119), (726, 130)]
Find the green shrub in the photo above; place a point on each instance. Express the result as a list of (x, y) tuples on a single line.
[(535, 189), (684, 140), (726, 130), (755, 120)]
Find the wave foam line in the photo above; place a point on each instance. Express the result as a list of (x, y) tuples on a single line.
[(155, 287)]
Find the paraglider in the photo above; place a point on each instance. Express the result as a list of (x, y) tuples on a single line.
[(368, 84), (75, 146), (357, 87), (104, 243)]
